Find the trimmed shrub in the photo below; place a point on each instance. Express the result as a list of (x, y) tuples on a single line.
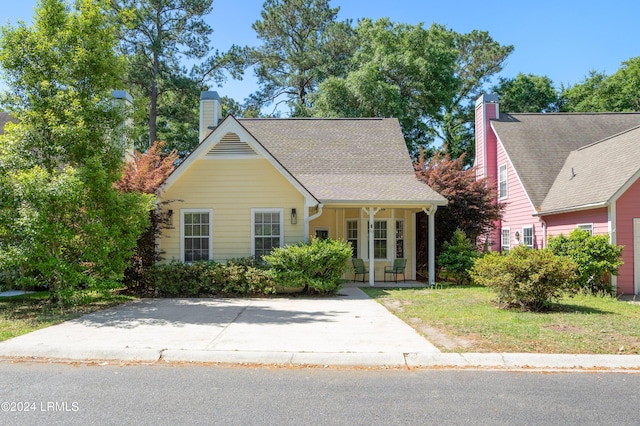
[(597, 259), (457, 257), (196, 279), (525, 278), (317, 266)]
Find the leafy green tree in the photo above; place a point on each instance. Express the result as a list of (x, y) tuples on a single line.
[(157, 36), (601, 93), (479, 58), (596, 257), (62, 222), (527, 93), (429, 78), (398, 70), (303, 44)]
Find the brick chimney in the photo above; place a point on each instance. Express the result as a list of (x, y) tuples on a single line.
[(487, 108), (210, 112)]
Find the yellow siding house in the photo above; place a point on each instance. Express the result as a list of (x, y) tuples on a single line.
[(255, 184)]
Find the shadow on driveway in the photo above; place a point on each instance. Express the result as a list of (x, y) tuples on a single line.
[(209, 312)]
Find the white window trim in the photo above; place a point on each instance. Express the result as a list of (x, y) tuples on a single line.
[(182, 213), (533, 236), (322, 228), (387, 221), (358, 230), (584, 225), (391, 240), (502, 245), (506, 181), (253, 225)]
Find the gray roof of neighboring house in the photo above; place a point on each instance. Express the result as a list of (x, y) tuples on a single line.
[(341, 160), (539, 144), (594, 173), (5, 117)]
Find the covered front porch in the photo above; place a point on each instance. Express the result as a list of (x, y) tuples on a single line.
[(388, 284), (379, 234)]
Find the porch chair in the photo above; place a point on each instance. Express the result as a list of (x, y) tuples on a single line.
[(358, 269), (398, 267)]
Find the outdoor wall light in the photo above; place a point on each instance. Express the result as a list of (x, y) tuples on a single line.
[(294, 217), (517, 236), (170, 217)]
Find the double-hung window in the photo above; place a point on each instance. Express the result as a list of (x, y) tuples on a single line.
[(586, 227), (502, 181), (506, 240), (196, 241), (380, 239), (267, 230), (352, 236), (527, 236)]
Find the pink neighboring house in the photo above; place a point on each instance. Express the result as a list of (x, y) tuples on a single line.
[(561, 171)]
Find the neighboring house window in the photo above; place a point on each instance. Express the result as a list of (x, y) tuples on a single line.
[(380, 239), (502, 181), (399, 239), (527, 236), (506, 239), (322, 233), (586, 227), (352, 236), (196, 235), (266, 230)]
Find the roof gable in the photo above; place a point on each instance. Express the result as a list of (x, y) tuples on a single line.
[(539, 144), (593, 175), (231, 140), (328, 160)]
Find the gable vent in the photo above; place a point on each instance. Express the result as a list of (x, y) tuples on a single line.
[(231, 145)]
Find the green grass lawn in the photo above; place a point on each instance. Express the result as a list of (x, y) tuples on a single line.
[(466, 319), (26, 313)]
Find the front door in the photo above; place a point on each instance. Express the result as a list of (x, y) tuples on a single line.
[(636, 255)]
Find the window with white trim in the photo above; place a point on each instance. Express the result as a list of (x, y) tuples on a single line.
[(380, 239), (267, 230), (196, 241), (505, 240), (322, 233), (502, 181), (527, 236), (399, 239), (586, 227), (352, 236)]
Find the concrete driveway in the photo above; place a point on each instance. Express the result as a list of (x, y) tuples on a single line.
[(349, 329)]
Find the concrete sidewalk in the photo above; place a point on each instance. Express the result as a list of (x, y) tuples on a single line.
[(348, 330)]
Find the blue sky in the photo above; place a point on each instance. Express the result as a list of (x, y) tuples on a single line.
[(562, 39)]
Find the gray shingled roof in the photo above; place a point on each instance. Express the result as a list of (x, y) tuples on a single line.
[(594, 173), (5, 117), (344, 159), (539, 144)]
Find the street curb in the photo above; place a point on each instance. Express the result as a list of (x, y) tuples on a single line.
[(498, 361)]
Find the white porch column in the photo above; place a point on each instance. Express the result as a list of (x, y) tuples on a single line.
[(432, 245), (372, 265)]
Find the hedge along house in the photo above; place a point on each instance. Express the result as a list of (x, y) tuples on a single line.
[(255, 184), (561, 171)]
